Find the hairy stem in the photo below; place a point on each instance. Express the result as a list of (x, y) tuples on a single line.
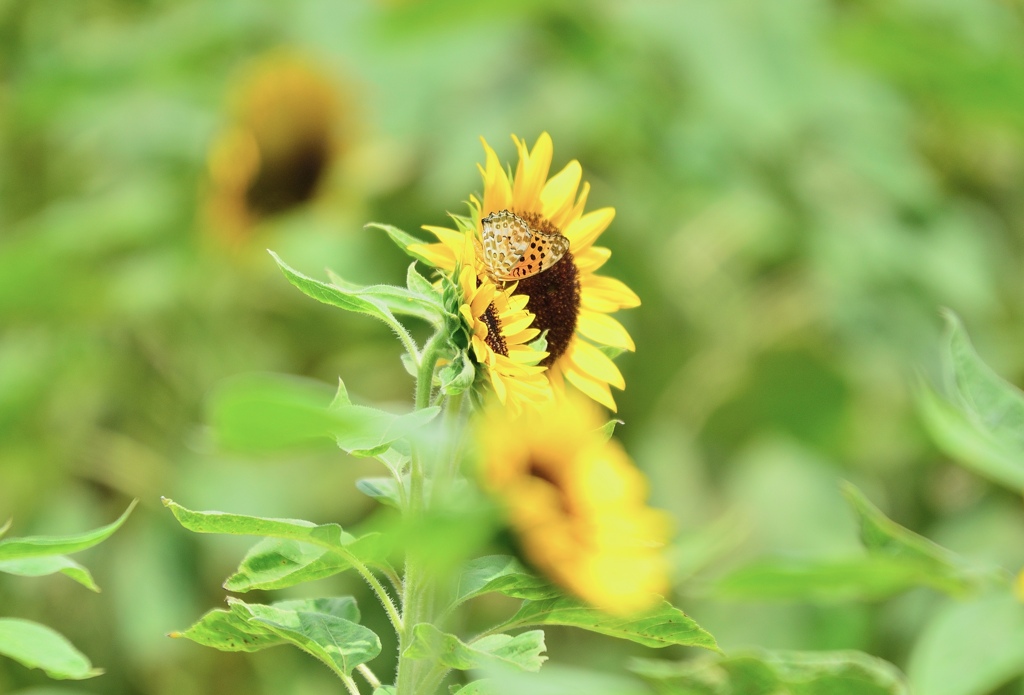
[(419, 588)]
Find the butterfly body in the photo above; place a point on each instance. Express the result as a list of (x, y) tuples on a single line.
[(512, 250)]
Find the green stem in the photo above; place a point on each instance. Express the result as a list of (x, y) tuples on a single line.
[(350, 684), (369, 675), (378, 588), (418, 586), (425, 373)]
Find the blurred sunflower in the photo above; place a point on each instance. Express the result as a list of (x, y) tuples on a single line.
[(500, 334), (279, 147), (568, 300), (575, 503)]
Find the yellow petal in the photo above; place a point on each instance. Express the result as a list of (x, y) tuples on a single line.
[(603, 329), (483, 299), (592, 361), (609, 290), (583, 232), (531, 173), (497, 191), (598, 390), (559, 193), (577, 210), (437, 255), (591, 260), (518, 324), (499, 386)]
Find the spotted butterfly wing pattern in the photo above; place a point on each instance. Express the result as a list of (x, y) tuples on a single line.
[(512, 250)]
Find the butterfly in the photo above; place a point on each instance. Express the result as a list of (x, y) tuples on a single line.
[(512, 250)]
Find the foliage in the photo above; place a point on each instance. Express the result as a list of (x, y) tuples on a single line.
[(800, 185), (26, 641)]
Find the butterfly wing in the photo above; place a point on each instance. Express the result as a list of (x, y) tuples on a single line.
[(543, 252), (505, 239)]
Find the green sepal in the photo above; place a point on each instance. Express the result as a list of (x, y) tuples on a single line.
[(607, 430), (458, 375), (523, 652)]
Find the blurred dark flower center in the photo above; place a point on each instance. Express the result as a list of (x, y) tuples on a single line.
[(289, 177)]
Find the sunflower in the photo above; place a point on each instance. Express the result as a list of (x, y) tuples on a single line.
[(569, 300), (500, 332), (575, 504), (276, 152)]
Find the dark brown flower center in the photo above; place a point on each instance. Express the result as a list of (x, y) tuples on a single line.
[(495, 340), (289, 177), (542, 471), (554, 295)]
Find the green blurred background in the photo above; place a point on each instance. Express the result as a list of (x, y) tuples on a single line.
[(800, 185)]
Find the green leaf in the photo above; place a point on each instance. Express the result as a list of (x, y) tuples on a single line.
[(229, 631), (276, 563), (995, 403), (341, 397), (982, 423), (338, 642), (402, 239), (937, 567), (385, 690), (397, 300), (772, 673), (329, 536), (962, 438), (49, 564), (38, 546), (522, 651), (323, 627), (501, 574), (263, 412), (969, 648), (6, 527), (37, 646), (608, 429), (663, 626), (458, 375), (384, 490), (336, 296), (863, 578), (419, 285), (554, 679)]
